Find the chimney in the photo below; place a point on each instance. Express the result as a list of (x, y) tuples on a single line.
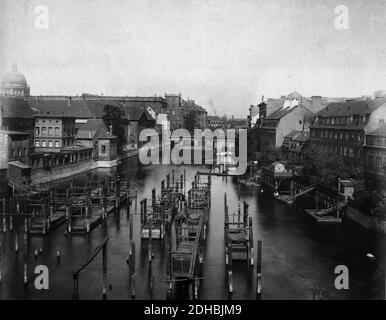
[(316, 100)]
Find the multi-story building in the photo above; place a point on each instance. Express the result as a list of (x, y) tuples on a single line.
[(214, 122), (340, 128), (375, 151), (53, 132), (16, 128), (94, 134), (188, 106), (174, 103), (273, 128), (294, 144)]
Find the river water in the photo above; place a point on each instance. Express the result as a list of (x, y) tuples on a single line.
[(298, 253)]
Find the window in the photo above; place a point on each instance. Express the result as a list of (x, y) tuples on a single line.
[(37, 143), (50, 131), (37, 131), (351, 152), (381, 121), (44, 144), (50, 144), (103, 149), (57, 144), (44, 130), (300, 121), (56, 131)]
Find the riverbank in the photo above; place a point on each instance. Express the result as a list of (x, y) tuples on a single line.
[(370, 223)]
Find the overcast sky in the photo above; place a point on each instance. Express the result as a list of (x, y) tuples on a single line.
[(223, 54)]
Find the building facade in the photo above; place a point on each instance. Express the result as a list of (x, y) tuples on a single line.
[(276, 126), (294, 144), (53, 133), (375, 153), (340, 128)]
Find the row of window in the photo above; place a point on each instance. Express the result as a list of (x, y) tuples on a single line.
[(51, 131), (19, 152), (375, 162), (342, 151), (375, 141), (48, 143), (334, 134)]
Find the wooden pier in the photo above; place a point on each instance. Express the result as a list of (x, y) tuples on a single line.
[(238, 234), (186, 256)]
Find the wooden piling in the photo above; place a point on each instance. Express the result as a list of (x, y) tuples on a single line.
[(104, 271), (132, 270), (258, 270), (26, 250)]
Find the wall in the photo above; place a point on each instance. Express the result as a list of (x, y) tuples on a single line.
[(291, 121), (42, 175)]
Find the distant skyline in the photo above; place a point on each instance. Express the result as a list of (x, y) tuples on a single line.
[(223, 54)]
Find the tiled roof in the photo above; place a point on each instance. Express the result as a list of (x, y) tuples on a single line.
[(349, 108), (302, 136), (89, 129), (293, 134), (135, 110), (65, 107), (381, 131), (15, 108)]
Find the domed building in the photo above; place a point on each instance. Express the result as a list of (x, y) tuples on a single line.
[(14, 84)]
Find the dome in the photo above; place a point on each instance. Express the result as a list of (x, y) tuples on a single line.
[(14, 78)]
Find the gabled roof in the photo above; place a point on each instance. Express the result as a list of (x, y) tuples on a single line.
[(89, 129), (381, 131), (15, 108), (63, 107), (93, 128), (293, 134), (349, 108), (303, 136), (135, 111)]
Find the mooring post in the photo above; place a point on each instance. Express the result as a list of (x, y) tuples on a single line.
[(26, 250), (87, 219), (153, 196), (4, 218), (245, 218), (132, 272), (150, 253), (251, 246), (258, 270), (230, 272), (104, 270)]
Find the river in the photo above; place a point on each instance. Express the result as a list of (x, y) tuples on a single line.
[(298, 253)]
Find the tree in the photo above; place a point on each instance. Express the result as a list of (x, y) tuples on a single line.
[(190, 120), (115, 116), (327, 167), (269, 156)]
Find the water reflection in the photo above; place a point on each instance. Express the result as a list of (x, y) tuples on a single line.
[(297, 252)]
